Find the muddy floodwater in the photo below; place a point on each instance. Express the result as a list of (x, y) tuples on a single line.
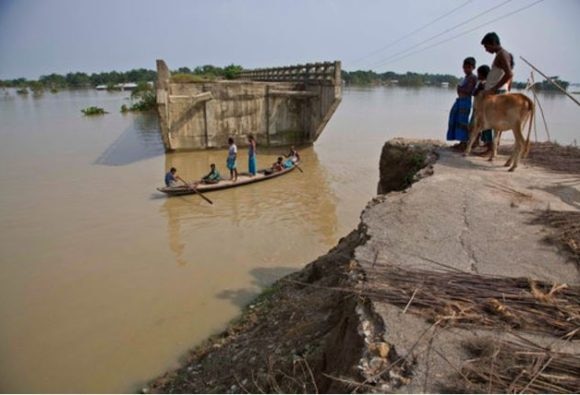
[(105, 283)]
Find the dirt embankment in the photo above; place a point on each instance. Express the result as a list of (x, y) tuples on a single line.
[(360, 318), (309, 332)]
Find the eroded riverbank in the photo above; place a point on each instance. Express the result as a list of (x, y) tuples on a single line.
[(339, 325)]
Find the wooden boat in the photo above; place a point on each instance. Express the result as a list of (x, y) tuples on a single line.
[(243, 179)]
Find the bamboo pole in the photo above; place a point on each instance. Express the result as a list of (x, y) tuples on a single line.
[(540, 106), (552, 81)]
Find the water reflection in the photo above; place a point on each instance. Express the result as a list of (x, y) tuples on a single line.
[(262, 277), (140, 141), (260, 222)]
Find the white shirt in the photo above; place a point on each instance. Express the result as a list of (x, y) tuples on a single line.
[(233, 150)]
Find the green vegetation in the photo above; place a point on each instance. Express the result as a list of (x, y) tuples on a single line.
[(206, 73), (93, 111), (370, 77), (79, 80), (143, 98), (545, 85), (22, 91), (55, 82), (184, 78)]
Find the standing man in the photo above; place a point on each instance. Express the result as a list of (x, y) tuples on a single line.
[(252, 155), (231, 161), (501, 68), (499, 77)]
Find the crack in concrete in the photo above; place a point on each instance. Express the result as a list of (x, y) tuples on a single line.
[(465, 244)]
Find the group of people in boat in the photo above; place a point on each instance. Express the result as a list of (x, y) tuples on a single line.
[(213, 177), (489, 81)]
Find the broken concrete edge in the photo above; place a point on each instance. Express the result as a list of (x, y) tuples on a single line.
[(376, 366), (404, 162)]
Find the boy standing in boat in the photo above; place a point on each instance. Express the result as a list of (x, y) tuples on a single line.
[(252, 163), (459, 115), (231, 161)]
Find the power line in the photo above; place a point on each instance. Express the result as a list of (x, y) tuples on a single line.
[(411, 33), (463, 33), (442, 33)]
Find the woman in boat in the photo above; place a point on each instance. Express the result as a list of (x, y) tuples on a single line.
[(231, 161), (252, 163)]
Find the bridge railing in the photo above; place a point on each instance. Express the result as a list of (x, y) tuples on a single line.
[(310, 72)]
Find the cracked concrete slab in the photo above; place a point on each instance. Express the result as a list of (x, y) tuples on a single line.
[(474, 216), (470, 215)]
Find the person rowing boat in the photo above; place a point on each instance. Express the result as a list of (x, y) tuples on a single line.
[(293, 154), (282, 167), (171, 178)]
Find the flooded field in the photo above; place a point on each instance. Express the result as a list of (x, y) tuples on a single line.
[(105, 283)]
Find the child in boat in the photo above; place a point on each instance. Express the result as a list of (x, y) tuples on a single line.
[(231, 161), (171, 178), (293, 154), (459, 114), (278, 165), (213, 177)]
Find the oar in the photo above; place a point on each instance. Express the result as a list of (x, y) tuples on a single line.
[(194, 189)]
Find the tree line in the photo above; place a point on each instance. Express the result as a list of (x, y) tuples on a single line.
[(544, 85), (371, 77), (76, 80)]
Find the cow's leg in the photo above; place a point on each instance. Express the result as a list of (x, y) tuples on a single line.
[(510, 160), (519, 146), (472, 137), (495, 142)]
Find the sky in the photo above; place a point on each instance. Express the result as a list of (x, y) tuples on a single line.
[(39, 37)]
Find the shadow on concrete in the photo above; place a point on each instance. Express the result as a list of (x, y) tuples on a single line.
[(263, 277), (568, 194), (139, 142), (458, 161)]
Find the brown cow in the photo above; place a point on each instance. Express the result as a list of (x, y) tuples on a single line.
[(502, 112)]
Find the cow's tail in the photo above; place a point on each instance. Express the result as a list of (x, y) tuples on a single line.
[(532, 110)]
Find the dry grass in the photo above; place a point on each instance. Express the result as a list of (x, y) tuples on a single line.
[(468, 300), (565, 230), (551, 156), (516, 366)]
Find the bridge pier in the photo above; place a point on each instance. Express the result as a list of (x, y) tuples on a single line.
[(279, 106)]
